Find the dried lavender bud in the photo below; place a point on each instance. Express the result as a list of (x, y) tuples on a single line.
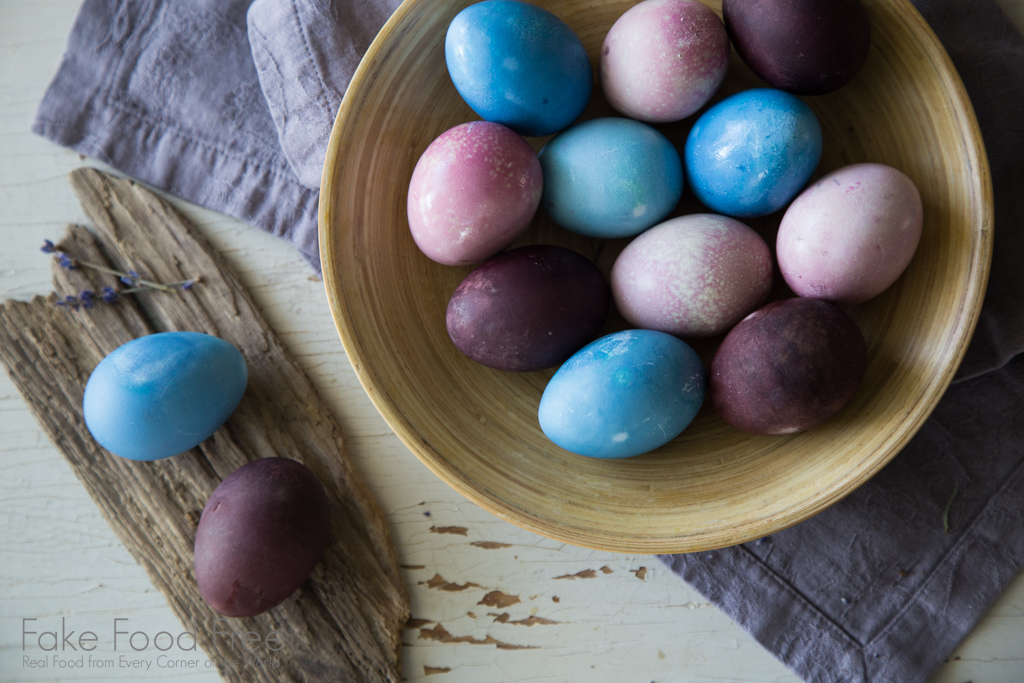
[(87, 298), (69, 302)]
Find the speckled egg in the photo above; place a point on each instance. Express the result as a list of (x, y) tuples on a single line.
[(610, 177), (787, 367), (806, 47), (162, 394), (751, 153), (625, 394), (663, 60), (518, 64), (692, 276), (850, 235), (528, 308), (474, 190)]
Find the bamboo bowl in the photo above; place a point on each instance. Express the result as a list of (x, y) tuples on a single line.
[(713, 486)]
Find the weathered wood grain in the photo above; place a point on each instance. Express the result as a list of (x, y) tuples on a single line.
[(345, 623)]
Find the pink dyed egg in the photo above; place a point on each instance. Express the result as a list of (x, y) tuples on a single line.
[(692, 276), (474, 190), (663, 60), (850, 235)]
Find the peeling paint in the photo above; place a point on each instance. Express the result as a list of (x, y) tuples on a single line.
[(641, 573), (417, 623), (458, 530), (490, 545), (413, 566), (440, 583), (430, 670), (440, 634), (586, 574), (499, 600), (504, 618)]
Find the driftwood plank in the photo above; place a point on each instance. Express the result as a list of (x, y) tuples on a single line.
[(345, 623)]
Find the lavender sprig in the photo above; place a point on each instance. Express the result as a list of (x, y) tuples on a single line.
[(87, 298)]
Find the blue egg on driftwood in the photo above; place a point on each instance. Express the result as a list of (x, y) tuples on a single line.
[(751, 153), (518, 65), (624, 394), (162, 394), (610, 177)]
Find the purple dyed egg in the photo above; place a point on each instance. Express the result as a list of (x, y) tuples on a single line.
[(474, 190), (787, 367), (849, 236), (528, 309), (692, 276), (806, 47), (663, 60), (262, 531)]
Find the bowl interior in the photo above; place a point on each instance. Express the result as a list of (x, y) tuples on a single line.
[(712, 486)]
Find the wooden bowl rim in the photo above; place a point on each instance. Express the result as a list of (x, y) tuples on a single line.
[(979, 268)]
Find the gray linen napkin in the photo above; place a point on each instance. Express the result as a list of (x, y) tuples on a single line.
[(229, 103), (184, 96)]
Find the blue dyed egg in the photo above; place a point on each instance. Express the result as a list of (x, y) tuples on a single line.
[(625, 394), (751, 153), (519, 65), (162, 394), (610, 177)]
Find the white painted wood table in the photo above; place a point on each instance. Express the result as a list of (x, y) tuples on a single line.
[(555, 612)]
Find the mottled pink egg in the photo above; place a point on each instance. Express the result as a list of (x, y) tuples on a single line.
[(474, 190), (663, 60), (850, 235), (692, 276)]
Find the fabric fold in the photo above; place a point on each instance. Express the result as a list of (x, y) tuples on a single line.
[(305, 54), (883, 585)]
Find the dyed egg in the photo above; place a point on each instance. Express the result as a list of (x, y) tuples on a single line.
[(473, 191), (528, 309), (519, 65), (610, 177), (162, 394), (850, 235), (622, 395), (787, 367), (262, 531), (692, 276), (806, 47), (662, 60), (751, 153)]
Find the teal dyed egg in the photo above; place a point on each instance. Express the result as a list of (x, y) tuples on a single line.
[(610, 177), (162, 394), (625, 394)]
